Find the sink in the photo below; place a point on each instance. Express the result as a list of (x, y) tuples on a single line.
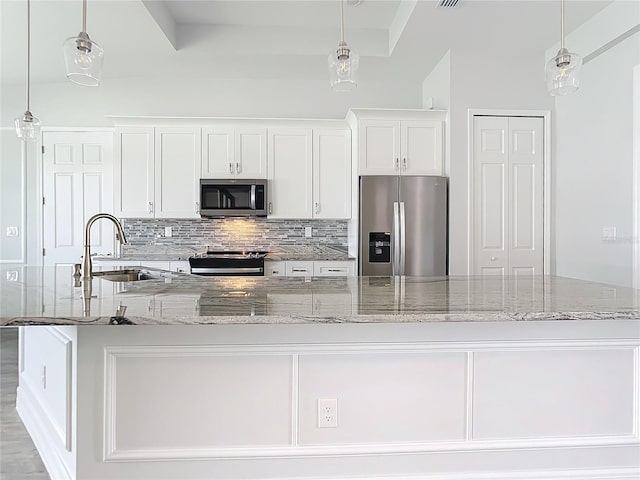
[(126, 275)]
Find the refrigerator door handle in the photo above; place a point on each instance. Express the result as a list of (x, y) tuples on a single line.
[(403, 245), (395, 265)]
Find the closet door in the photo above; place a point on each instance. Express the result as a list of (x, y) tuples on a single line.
[(507, 182)]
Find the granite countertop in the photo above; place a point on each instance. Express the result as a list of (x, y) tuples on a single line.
[(182, 253), (47, 295)]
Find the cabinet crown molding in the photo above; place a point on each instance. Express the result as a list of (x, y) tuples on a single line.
[(176, 121)]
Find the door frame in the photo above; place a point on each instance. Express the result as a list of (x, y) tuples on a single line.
[(636, 178), (546, 213), (40, 173)]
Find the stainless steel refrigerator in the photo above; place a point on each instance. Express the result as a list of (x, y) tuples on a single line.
[(403, 225)]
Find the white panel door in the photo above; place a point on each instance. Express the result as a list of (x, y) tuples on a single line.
[(379, 147), (218, 154), (331, 174), (250, 152), (134, 172), (78, 183), (526, 165), (177, 172), (508, 179), (421, 147), (490, 189), (290, 173)]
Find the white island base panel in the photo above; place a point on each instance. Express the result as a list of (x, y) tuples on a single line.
[(433, 401)]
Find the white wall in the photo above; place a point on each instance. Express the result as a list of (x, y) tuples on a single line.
[(437, 86), (602, 108), (482, 79), (594, 168), (66, 104), (18, 199)]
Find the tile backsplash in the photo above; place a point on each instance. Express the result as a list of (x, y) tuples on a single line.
[(234, 233)]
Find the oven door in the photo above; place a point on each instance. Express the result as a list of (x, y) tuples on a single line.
[(235, 267), (229, 198)]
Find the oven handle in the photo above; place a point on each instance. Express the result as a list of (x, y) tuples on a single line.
[(222, 271), (253, 197)]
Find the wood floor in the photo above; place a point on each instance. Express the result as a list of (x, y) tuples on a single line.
[(19, 459)]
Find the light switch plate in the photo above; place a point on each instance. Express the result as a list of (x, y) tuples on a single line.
[(609, 234)]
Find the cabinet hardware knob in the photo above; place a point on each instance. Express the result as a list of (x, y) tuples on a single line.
[(270, 208), (317, 207), (237, 168), (493, 259), (230, 167), (150, 209), (404, 162), (397, 164), (197, 207)]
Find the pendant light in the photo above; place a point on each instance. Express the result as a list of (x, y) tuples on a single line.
[(83, 56), (343, 65), (563, 70), (28, 126)]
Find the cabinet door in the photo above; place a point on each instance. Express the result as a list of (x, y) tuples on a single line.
[(289, 188), (250, 152), (421, 147), (379, 147), (134, 173), (177, 169), (275, 269), (331, 174), (218, 156)]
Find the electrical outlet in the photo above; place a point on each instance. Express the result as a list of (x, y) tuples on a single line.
[(12, 231), (307, 232), (168, 232), (327, 413), (609, 234)]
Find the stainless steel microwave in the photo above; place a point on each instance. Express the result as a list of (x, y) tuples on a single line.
[(233, 198)]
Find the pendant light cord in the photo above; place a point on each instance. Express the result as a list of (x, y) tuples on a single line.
[(561, 23), (341, 20), (28, 50), (84, 16)]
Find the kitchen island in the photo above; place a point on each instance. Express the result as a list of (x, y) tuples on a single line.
[(430, 378)]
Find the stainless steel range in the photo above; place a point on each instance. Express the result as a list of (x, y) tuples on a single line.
[(228, 263)]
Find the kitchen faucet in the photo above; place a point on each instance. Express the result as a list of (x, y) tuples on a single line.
[(87, 268)]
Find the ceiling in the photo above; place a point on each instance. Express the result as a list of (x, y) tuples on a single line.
[(276, 39)]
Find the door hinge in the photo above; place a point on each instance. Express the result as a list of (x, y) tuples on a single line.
[(43, 200), (43, 252), (43, 149)]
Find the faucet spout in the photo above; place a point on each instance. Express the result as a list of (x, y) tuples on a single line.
[(87, 267)]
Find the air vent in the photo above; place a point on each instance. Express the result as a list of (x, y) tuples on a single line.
[(447, 3)]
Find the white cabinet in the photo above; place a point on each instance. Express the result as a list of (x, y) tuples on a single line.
[(290, 173), (234, 152), (157, 172), (308, 268), (333, 269), (299, 268), (275, 269), (134, 172), (331, 174), (400, 147)]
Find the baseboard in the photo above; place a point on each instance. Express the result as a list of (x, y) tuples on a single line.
[(35, 422), (592, 474)]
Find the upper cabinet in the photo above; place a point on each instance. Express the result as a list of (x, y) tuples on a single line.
[(399, 146), (234, 152), (331, 173), (157, 172), (290, 173)]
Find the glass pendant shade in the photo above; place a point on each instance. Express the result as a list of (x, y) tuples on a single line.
[(27, 127), (83, 58), (343, 69), (563, 73)]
